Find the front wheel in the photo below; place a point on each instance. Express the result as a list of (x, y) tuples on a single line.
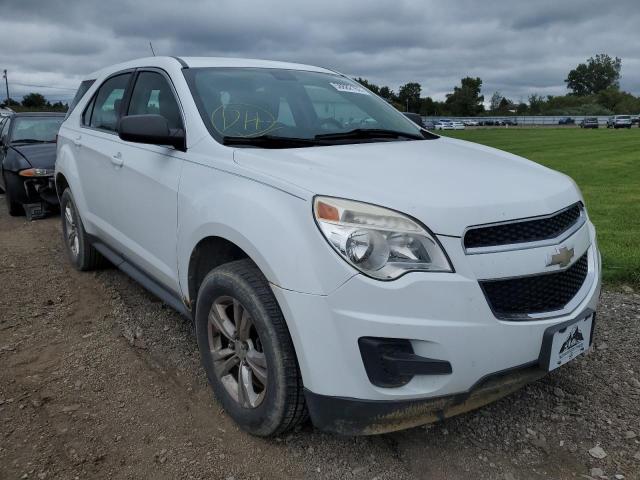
[(246, 350)]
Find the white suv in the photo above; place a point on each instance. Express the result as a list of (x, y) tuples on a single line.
[(619, 121), (337, 260)]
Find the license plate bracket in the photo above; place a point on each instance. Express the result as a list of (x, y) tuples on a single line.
[(563, 342)]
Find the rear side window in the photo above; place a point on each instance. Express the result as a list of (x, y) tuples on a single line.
[(152, 94), (106, 105), (82, 89)]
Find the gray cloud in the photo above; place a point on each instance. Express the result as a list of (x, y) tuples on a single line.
[(518, 48)]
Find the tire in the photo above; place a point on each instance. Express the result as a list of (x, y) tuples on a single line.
[(81, 252), (264, 356), (15, 208)]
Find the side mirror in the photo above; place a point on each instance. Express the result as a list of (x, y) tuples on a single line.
[(151, 129)]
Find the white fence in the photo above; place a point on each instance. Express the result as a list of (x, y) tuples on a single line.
[(524, 120)]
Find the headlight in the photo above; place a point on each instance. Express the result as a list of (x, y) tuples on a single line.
[(379, 242), (36, 172)]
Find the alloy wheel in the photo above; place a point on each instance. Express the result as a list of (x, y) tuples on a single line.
[(71, 231), (238, 358)]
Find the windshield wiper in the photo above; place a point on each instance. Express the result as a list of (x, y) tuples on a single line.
[(368, 133), (31, 140), (270, 141)]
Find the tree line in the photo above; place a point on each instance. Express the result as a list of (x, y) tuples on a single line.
[(594, 90), (35, 102)]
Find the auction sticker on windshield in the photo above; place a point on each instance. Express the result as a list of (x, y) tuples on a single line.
[(345, 87), (565, 342)]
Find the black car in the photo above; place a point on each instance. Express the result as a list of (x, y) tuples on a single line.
[(510, 122), (566, 121), (415, 118), (589, 122), (27, 162)]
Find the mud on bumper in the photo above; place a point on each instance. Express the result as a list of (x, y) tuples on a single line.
[(348, 416)]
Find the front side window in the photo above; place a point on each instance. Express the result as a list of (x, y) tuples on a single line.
[(5, 128), (106, 106), (35, 129), (153, 95), (246, 103)]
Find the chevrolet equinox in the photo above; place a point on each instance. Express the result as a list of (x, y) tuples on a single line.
[(338, 261)]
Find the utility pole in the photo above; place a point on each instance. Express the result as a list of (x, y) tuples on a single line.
[(6, 84)]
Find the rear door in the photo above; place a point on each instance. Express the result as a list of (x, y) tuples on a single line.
[(144, 197), (98, 145)]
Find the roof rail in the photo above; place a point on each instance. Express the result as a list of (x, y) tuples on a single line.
[(181, 62)]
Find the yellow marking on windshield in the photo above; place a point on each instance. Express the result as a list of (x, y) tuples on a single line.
[(242, 120)]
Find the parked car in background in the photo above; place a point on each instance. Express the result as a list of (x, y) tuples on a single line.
[(373, 278), (510, 122), (443, 125), (619, 121), (566, 121), (635, 119), (27, 161), (590, 122), (429, 124), (487, 123), (470, 123), (415, 118), (457, 125)]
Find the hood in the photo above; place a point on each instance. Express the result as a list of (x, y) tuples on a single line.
[(445, 183), (39, 155)]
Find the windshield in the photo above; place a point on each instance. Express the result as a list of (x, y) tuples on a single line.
[(250, 103), (624, 117), (35, 129)]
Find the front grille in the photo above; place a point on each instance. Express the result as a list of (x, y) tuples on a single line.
[(549, 292), (523, 231)]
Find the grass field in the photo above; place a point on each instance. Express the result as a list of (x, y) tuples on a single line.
[(606, 166)]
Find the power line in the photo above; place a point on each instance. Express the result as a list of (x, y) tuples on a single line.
[(43, 86)]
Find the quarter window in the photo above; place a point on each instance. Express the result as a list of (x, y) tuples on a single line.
[(82, 89), (153, 95), (106, 106)]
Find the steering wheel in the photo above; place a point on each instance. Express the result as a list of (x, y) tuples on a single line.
[(331, 121)]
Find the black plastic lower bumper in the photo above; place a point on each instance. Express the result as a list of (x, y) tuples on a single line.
[(349, 416)]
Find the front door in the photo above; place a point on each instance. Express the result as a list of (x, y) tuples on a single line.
[(145, 194)]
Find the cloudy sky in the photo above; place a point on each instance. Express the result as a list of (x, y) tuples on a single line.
[(518, 47)]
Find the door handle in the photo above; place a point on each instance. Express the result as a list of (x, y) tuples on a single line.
[(77, 142), (117, 159)]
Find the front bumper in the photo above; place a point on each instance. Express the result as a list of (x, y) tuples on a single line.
[(445, 316), (347, 416), (35, 190)]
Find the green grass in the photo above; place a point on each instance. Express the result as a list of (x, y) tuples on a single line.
[(606, 166)]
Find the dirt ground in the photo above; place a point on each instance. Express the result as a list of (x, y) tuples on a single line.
[(98, 379)]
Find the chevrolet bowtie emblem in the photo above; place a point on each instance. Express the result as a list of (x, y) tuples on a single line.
[(562, 258)]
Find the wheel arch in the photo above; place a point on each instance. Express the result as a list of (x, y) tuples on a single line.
[(210, 252), (61, 184)]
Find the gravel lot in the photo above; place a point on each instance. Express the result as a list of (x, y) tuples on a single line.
[(99, 379)]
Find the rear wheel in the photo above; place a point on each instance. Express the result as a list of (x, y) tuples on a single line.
[(82, 254), (15, 208), (246, 350)]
